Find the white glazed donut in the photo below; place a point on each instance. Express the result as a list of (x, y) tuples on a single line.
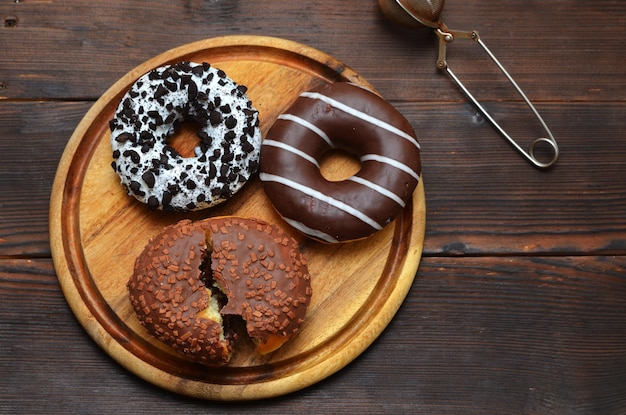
[(148, 114)]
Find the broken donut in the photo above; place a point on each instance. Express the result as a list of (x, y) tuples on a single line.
[(194, 277)]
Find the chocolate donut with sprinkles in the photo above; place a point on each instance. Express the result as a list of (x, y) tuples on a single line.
[(148, 115), (342, 116), (193, 279)]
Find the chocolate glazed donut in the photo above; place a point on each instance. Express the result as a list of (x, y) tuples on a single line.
[(194, 278), (348, 117)]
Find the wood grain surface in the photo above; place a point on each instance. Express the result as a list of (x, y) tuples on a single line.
[(519, 303)]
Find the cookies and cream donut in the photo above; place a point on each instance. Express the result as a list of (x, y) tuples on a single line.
[(193, 278), (154, 172), (348, 117)]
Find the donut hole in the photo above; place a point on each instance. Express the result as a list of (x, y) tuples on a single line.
[(337, 165), (185, 138)]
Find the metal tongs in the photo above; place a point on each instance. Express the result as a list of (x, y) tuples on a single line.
[(418, 13)]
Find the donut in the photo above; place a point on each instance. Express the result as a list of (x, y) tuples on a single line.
[(193, 280), (148, 115), (342, 116)]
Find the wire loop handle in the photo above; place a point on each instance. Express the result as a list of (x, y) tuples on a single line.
[(447, 36)]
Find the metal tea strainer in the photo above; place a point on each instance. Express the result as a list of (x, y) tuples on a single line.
[(420, 13)]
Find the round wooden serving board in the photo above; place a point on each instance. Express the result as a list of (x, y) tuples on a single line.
[(97, 231)]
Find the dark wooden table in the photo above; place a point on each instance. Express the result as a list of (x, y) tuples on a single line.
[(519, 303)]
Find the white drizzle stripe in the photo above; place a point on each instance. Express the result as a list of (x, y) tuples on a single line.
[(321, 196), (306, 124), (378, 188), (356, 113), (291, 149), (310, 231), (391, 162)]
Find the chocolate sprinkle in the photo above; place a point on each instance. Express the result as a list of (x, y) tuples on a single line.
[(122, 138), (148, 178)]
